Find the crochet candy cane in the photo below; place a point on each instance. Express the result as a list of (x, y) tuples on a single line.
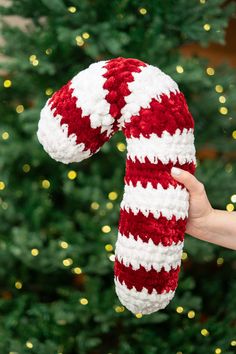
[(146, 104)]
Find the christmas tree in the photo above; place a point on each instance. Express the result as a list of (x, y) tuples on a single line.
[(59, 222)]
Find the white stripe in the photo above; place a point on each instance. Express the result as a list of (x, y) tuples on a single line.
[(147, 254), (149, 83), (169, 202), (88, 89), (165, 148), (141, 301), (55, 141)]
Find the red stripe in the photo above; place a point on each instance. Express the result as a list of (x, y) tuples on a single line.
[(154, 173), (65, 105), (140, 278), (159, 230), (170, 114), (119, 73)]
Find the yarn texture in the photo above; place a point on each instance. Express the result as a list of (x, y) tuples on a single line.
[(146, 104)]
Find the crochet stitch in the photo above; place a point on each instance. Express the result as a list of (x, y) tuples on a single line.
[(146, 104)]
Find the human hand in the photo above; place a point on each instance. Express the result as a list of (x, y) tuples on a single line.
[(200, 209)]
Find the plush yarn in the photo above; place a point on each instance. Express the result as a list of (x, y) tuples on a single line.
[(146, 104)]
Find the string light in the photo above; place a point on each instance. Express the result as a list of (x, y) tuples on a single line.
[(234, 134), (191, 314), (45, 184), (207, 27), (35, 62), (2, 185), (32, 58), (72, 9), (218, 351), (18, 284), (222, 99), (5, 135), (233, 198), (210, 71), (112, 195), (204, 332), (48, 51), (230, 207), (184, 256), (49, 91), (94, 205), (109, 247), (112, 257), (77, 270), (106, 229), (179, 353), (202, 1), (26, 168), (121, 147), (34, 252), (72, 174), (219, 88), (67, 262), (119, 309), (109, 205), (179, 309), (20, 108), (64, 244), (83, 301), (220, 261), (143, 11), (233, 343), (138, 315), (7, 83), (179, 69), (29, 344), (79, 41), (86, 35), (223, 110)]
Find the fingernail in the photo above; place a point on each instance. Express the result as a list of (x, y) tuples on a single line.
[(176, 171)]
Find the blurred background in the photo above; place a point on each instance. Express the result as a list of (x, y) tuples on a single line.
[(58, 223)]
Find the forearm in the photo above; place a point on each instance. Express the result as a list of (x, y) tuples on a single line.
[(220, 228)]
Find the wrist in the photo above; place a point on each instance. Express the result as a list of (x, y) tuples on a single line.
[(208, 225), (202, 227)]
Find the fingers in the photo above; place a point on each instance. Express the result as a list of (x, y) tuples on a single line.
[(188, 179)]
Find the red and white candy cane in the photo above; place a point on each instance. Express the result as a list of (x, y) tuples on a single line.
[(146, 104)]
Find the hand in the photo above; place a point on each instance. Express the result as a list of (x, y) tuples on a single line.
[(200, 208)]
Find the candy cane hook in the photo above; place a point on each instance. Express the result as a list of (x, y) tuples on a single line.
[(146, 104)]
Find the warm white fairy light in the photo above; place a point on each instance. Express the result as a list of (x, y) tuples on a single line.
[(106, 229), (72, 174), (179, 69), (179, 309), (207, 27), (45, 184), (121, 147), (210, 71), (34, 252), (20, 108), (5, 135), (204, 332), (112, 195), (72, 9), (7, 83), (26, 167)]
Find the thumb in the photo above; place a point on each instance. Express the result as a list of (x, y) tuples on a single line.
[(188, 179)]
